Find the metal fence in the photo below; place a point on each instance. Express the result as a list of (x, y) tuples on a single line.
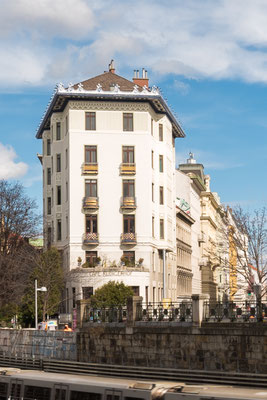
[(106, 314), (236, 311), (165, 312)]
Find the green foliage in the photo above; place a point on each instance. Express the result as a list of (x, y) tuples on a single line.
[(111, 294), (48, 272)]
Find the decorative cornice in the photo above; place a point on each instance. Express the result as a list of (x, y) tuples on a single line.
[(116, 106)]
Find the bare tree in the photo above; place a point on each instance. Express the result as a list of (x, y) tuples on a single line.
[(18, 218), (18, 222), (247, 237)]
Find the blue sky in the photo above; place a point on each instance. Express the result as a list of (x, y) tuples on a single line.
[(208, 57)]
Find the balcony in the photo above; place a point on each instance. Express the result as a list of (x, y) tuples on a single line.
[(90, 238), (127, 169), (128, 203), (128, 238), (90, 203), (90, 168)]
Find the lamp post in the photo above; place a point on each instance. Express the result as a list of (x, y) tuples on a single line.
[(41, 289)]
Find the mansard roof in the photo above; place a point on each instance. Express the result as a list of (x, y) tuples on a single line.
[(107, 87)]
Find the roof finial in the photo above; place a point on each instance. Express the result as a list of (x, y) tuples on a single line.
[(111, 67), (191, 159)]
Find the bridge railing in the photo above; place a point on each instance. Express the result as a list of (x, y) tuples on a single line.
[(235, 311)]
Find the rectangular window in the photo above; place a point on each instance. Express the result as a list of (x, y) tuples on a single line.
[(48, 147), (58, 162), (128, 188), (59, 236), (66, 125), (128, 154), (90, 257), (58, 195), (87, 292), (161, 228), (128, 121), (152, 123), (49, 236), (49, 176), (36, 392), (128, 224), (161, 195), (91, 223), (153, 227), (52, 164), (49, 205), (160, 132), (152, 191), (58, 131), (130, 256), (91, 188), (160, 163), (67, 191), (152, 159), (73, 297), (90, 121), (66, 159), (90, 155), (67, 226)]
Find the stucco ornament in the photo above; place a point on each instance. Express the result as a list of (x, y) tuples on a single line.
[(70, 87), (145, 89), (155, 90), (135, 89), (80, 87), (116, 88), (99, 88), (60, 87)]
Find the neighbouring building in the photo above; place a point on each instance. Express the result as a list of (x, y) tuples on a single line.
[(109, 186), (211, 253)]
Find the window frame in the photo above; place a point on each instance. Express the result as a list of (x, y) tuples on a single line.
[(161, 228), (92, 227), (130, 220), (128, 122), (58, 162), (161, 132), (88, 149), (90, 121), (58, 131), (161, 163), (128, 183), (161, 195), (91, 183), (128, 150)]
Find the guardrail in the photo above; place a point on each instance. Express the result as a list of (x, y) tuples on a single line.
[(134, 372), (107, 314)]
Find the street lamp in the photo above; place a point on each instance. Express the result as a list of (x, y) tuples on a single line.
[(41, 289)]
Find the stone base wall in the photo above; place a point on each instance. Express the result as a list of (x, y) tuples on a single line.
[(222, 347), (38, 344)]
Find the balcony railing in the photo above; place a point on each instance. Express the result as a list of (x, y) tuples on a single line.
[(128, 238), (127, 169), (90, 238), (90, 203), (90, 168), (128, 203)]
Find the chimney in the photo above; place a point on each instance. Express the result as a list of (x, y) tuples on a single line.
[(111, 67), (143, 81)]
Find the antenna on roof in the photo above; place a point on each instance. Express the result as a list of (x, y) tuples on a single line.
[(111, 67)]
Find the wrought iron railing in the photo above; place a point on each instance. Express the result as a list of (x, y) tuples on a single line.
[(165, 311), (235, 311), (107, 314), (90, 238)]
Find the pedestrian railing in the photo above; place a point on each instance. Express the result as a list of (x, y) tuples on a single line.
[(105, 314), (165, 312), (235, 311)]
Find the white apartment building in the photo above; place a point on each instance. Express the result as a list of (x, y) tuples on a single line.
[(109, 185)]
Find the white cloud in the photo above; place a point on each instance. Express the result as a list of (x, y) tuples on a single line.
[(9, 169), (52, 40)]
